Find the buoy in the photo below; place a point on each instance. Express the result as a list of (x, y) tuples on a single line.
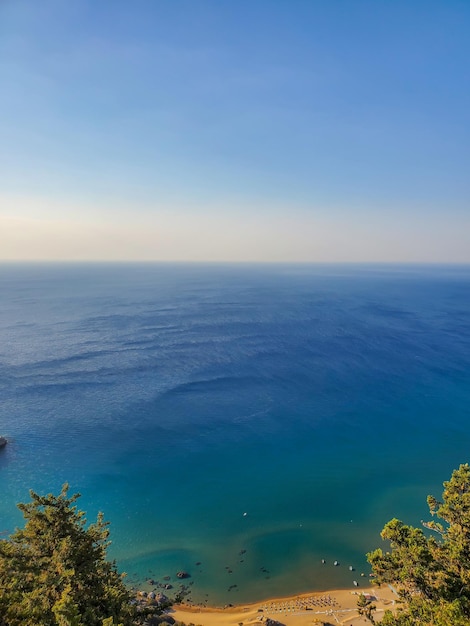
[(245, 514)]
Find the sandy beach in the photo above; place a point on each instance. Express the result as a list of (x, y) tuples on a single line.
[(331, 607)]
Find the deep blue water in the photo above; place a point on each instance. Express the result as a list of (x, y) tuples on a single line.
[(319, 400)]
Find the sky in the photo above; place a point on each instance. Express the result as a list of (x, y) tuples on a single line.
[(235, 130)]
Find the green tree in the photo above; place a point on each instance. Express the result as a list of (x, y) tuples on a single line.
[(430, 572), (54, 571), (366, 608)]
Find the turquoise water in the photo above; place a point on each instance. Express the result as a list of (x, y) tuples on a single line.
[(319, 400)]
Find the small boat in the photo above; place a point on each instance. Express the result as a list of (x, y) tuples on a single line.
[(351, 568), (336, 563), (355, 583), (3, 442)]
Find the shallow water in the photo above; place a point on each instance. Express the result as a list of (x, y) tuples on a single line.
[(319, 400)]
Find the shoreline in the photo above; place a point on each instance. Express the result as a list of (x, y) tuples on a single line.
[(332, 606)]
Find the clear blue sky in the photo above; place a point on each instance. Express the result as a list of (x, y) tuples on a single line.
[(280, 130)]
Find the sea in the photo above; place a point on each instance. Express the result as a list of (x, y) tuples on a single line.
[(240, 423)]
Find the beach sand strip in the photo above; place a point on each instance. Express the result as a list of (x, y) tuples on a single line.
[(333, 607)]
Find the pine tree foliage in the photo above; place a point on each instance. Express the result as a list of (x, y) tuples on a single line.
[(431, 571), (54, 570), (366, 608)]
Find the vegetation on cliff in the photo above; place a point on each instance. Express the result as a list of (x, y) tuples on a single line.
[(54, 571), (430, 569)]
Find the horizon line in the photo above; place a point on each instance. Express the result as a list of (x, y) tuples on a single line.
[(218, 262)]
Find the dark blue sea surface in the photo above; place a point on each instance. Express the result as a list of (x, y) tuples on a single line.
[(320, 401)]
